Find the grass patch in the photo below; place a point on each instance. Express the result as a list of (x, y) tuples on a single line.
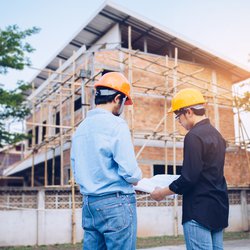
[(236, 235), (141, 242), (171, 240), (77, 246), (159, 241)]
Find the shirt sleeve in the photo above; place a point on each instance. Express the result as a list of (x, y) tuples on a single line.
[(124, 155), (192, 165)]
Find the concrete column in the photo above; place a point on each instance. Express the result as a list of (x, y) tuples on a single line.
[(41, 218), (244, 212)]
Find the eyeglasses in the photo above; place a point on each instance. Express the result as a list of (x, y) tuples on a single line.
[(179, 113), (178, 116)]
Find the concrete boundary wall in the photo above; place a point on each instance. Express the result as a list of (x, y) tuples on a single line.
[(53, 226)]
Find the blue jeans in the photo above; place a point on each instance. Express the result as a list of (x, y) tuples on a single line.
[(199, 237), (109, 222)]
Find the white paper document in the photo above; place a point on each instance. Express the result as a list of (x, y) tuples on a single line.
[(149, 184)]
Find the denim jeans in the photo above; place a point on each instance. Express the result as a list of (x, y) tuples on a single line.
[(109, 222), (199, 237)]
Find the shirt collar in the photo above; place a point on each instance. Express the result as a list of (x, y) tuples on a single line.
[(97, 111), (202, 122)]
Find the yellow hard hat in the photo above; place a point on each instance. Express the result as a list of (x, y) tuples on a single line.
[(186, 98), (116, 81)]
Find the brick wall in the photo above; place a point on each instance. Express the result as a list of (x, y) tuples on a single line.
[(148, 111), (237, 168)]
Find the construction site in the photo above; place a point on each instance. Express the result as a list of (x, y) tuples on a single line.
[(158, 64)]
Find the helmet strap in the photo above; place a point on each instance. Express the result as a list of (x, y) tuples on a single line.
[(122, 106), (105, 92)]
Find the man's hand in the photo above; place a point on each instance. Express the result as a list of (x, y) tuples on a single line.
[(157, 194), (160, 193)]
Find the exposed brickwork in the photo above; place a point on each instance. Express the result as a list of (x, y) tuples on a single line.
[(148, 111), (237, 170), (146, 170)]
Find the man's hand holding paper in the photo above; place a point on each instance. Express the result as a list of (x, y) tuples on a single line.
[(157, 186)]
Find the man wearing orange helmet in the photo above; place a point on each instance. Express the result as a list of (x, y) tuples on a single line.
[(201, 183), (105, 167)]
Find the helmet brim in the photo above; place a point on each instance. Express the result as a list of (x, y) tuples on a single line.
[(129, 101), (170, 111)]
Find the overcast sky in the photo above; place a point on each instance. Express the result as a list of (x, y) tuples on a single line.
[(219, 25)]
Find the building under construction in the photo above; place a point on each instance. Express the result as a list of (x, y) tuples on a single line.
[(158, 63)]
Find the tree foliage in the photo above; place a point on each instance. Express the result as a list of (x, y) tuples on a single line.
[(13, 50), (244, 102)]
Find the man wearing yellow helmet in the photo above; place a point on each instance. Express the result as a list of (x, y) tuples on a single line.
[(104, 166), (202, 182)]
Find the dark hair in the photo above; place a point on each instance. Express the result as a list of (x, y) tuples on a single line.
[(103, 99), (199, 112)]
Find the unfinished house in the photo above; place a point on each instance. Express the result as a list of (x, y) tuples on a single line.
[(158, 63), (8, 156)]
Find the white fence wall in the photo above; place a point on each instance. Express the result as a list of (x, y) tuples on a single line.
[(51, 224)]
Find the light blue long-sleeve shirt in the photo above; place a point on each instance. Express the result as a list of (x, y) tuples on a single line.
[(102, 155)]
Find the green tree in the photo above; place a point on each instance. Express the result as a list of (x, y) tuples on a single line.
[(13, 55), (244, 102)]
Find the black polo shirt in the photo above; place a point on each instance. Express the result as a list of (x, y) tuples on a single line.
[(202, 182)]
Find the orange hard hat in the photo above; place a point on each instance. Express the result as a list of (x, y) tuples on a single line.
[(186, 98), (116, 81)]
